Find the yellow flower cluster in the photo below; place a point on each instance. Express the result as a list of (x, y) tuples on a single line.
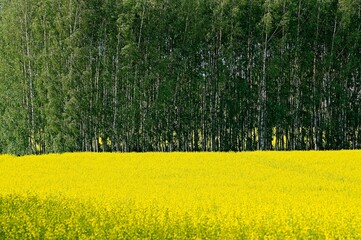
[(250, 195)]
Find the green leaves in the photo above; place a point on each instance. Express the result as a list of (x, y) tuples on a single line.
[(148, 74)]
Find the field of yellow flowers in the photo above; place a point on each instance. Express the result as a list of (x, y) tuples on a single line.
[(250, 195)]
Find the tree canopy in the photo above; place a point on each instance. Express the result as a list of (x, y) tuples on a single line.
[(185, 75)]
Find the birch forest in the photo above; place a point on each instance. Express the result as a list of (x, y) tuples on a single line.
[(179, 75)]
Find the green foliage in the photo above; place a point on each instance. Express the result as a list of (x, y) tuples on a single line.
[(149, 74)]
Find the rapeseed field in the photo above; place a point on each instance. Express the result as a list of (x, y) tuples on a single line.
[(251, 195)]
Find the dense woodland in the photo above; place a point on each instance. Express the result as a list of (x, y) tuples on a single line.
[(182, 75)]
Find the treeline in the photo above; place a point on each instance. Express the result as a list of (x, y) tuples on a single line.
[(182, 75)]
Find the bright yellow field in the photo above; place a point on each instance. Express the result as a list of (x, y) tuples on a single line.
[(255, 195)]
